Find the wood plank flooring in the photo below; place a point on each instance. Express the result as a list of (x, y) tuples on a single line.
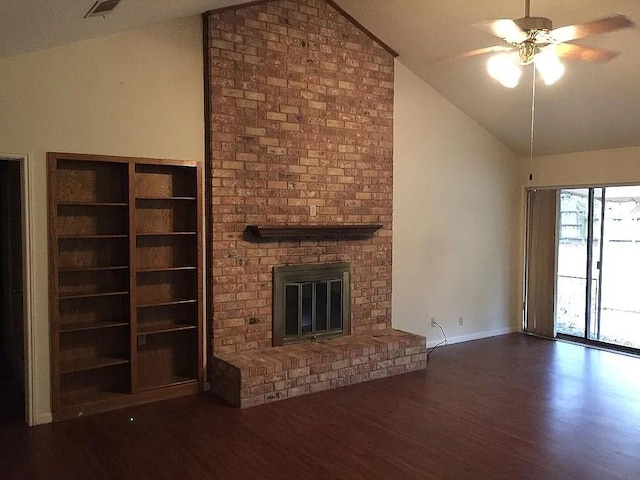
[(512, 407)]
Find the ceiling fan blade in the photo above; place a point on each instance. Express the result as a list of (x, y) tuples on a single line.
[(484, 51), (603, 25), (472, 53), (503, 28), (585, 54)]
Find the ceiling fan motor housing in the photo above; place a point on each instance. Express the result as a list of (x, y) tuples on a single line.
[(534, 23)]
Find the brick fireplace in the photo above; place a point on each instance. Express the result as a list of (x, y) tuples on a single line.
[(300, 132)]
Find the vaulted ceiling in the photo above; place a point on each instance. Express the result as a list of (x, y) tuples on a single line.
[(594, 106)]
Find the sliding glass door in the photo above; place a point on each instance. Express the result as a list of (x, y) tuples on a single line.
[(571, 298), (598, 266), (619, 321)]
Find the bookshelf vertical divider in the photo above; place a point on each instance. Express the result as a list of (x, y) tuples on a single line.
[(53, 286), (133, 314), (125, 242), (200, 258)]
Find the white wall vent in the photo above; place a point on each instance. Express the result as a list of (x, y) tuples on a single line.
[(101, 8)]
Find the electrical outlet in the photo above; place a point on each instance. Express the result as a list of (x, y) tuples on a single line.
[(433, 322), (461, 321)]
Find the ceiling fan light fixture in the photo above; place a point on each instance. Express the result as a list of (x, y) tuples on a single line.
[(549, 66), (505, 69)]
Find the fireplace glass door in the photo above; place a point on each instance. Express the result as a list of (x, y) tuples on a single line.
[(313, 307), (310, 302)]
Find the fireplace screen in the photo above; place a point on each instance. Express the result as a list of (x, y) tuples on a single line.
[(310, 301)]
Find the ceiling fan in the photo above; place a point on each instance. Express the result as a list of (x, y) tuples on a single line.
[(533, 40)]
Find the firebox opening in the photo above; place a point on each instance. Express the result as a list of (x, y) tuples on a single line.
[(310, 302)]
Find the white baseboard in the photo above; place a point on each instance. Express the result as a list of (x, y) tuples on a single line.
[(473, 336), (42, 419)]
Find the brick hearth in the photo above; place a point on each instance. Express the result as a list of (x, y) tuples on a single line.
[(260, 376)]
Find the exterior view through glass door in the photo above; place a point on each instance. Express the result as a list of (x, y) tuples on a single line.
[(598, 285)]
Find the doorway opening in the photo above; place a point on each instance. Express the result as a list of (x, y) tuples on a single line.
[(12, 324)]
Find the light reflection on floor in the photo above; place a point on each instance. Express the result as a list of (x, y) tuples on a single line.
[(586, 381)]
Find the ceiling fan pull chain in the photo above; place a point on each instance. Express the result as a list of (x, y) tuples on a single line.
[(533, 119)]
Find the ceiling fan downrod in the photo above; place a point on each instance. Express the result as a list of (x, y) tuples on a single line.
[(533, 25)]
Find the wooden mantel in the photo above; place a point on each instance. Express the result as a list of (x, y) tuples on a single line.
[(297, 231)]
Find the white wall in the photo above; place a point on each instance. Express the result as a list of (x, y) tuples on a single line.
[(136, 93), (599, 167), (455, 219)]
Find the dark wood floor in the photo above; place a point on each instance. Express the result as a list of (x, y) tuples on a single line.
[(513, 407)]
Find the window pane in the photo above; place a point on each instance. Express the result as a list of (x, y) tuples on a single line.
[(336, 304), (572, 262), (307, 307), (321, 306), (619, 309), (291, 310)]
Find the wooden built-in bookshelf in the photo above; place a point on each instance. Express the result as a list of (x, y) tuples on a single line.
[(125, 281)]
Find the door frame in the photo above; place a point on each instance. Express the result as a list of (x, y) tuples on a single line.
[(26, 177)]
